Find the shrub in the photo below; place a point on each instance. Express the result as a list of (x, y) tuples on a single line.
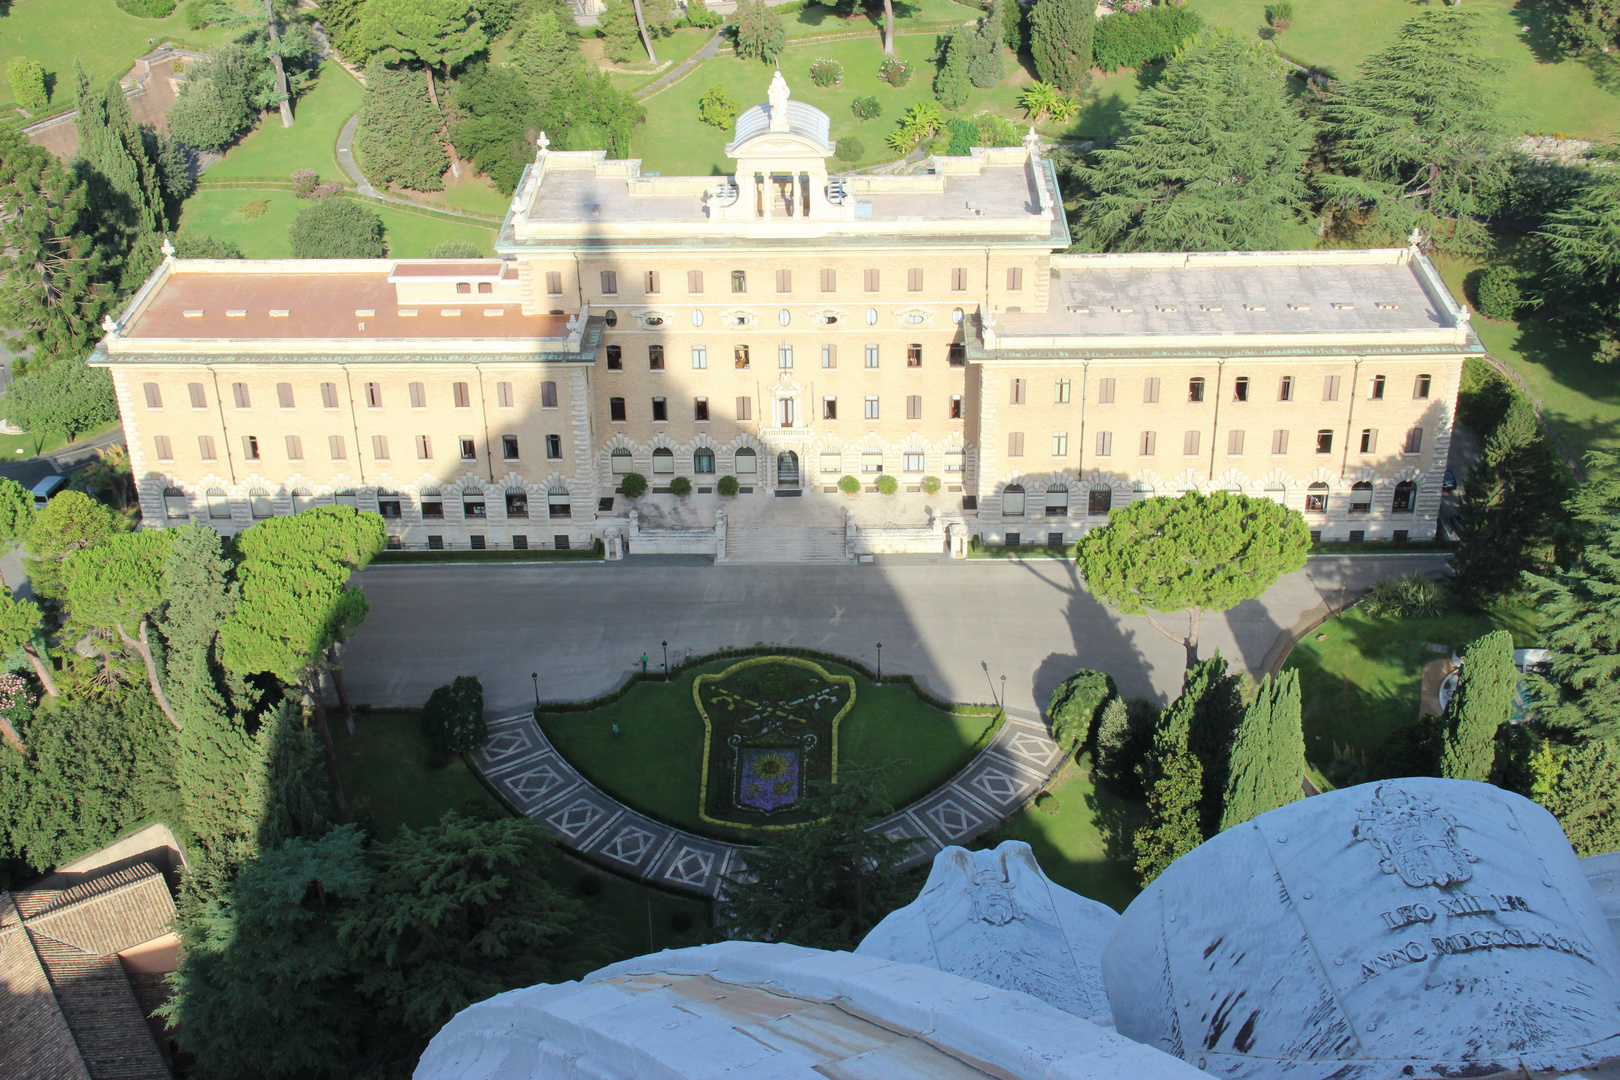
[(196, 245), (456, 249), (1499, 294), (337, 229), (850, 149), (304, 181), (1047, 803), (931, 484), (326, 190), (716, 108), (757, 31), (1076, 704), (1132, 39), (634, 485), (849, 485), (699, 15), (895, 71), (866, 108), (887, 485), (254, 208), (727, 486), (148, 9), (1279, 16), (454, 718), (1411, 596), (963, 135), (825, 72), (681, 486), (27, 80), (197, 14)]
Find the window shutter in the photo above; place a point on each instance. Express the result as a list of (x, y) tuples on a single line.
[(154, 397), (694, 281), (199, 398), (1015, 444), (339, 451), (205, 447), (745, 408), (914, 407), (1105, 391), (1150, 391), (1015, 278), (1330, 388), (329, 398), (914, 281), (1150, 443), (164, 451), (418, 396), (1279, 441), (379, 447), (1189, 443), (829, 281), (284, 394), (1105, 443), (503, 394), (1234, 443)]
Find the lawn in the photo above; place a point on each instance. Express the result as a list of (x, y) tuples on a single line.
[(27, 445), (385, 773), (274, 152), (97, 33), (1084, 847), (819, 18), (410, 236), (633, 76), (655, 763), (1363, 679)]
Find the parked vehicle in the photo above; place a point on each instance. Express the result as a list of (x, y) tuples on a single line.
[(46, 489), (1449, 481)]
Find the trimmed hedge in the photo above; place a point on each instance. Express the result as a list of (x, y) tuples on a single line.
[(504, 555), (148, 9), (1135, 38)]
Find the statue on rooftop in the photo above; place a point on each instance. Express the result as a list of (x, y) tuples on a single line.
[(778, 97)]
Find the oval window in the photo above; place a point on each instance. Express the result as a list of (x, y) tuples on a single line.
[(697, 317), (739, 320), (610, 317), (655, 320), (956, 316), (914, 319), (784, 316), (871, 316), (828, 320)]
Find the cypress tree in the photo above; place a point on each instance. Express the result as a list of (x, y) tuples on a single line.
[(1202, 721), (1268, 755), (951, 84), (111, 145), (1060, 40), (1482, 704), (1173, 825), (399, 130), (984, 66), (548, 59)]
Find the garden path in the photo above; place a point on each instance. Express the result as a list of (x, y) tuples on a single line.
[(520, 762)]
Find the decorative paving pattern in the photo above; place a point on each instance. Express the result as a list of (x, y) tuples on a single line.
[(522, 764)]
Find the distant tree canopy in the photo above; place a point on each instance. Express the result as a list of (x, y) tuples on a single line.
[(337, 228), (1060, 37), (215, 104), (399, 130)]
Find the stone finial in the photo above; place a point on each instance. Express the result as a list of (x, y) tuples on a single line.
[(109, 324), (167, 247), (541, 145), (1032, 142), (778, 97), (1416, 239)]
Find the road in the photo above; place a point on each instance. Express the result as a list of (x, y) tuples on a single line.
[(958, 626)]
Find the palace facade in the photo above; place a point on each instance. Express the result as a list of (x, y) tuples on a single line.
[(789, 327)]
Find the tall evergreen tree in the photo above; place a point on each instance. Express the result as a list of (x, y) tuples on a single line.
[(1583, 272), (437, 34), (1203, 722), (1268, 755), (1060, 34), (1585, 795), (1174, 813), (622, 40), (951, 85), (1482, 703), (115, 589), (984, 64), (399, 130), (115, 152), (759, 32), (1580, 626), (1124, 740), (69, 523), (548, 59), (215, 104), (1213, 158), (1417, 135)]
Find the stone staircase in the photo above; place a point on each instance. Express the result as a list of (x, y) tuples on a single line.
[(785, 544)]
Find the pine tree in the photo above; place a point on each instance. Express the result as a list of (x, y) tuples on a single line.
[(399, 130), (1583, 255), (621, 32), (1173, 824), (69, 523), (984, 64), (1060, 40), (1482, 703), (1580, 626), (1418, 135), (951, 85), (112, 146), (1268, 755), (759, 32), (1213, 158), (437, 34), (548, 59)]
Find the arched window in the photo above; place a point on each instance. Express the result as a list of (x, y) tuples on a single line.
[(517, 503), (663, 461), (472, 504), (1277, 493), (219, 504), (1316, 498), (486, 287), (174, 503), (703, 461), (1012, 501), (261, 503), (347, 497), (747, 462), (302, 499), (1405, 497), (1361, 497), (1057, 502), (463, 287), (558, 504), (620, 462)]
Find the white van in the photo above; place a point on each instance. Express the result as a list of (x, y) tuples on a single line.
[(46, 488)]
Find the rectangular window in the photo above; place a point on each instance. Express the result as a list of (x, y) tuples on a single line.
[(520, 542), (1414, 440), (615, 358), (700, 358), (912, 461), (610, 283), (154, 397), (913, 406), (1150, 391), (1060, 392), (199, 397), (652, 282), (956, 407), (784, 281), (1100, 501), (435, 543), (1420, 387), (503, 394), (829, 408), (548, 395), (1015, 278), (872, 461), (1105, 444), (959, 279), (1016, 395), (829, 356), (829, 281), (1316, 503), (205, 448), (1279, 441), (339, 451), (1105, 391), (373, 396), (1330, 388), (1234, 444), (871, 356), (509, 448), (871, 407), (424, 448), (784, 356), (740, 357), (956, 354), (1195, 389), (914, 281), (1285, 388), (379, 448), (700, 410), (1377, 391), (239, 393), (1240, 388), (616, 409), (553, 447), (660, 409), (462, 397), (1189, 443), (250, 447), (1324, 441), (870, 280), (1149, 443), (1369, 441), (694, 282), (739, 281), (469, 450), (295, 448), (553, 283), (1060, 444), (432, 507), (745, 408), (955, 461), (655, 358), (418, 396), (1015, 444), (165, 452), (914, 354)]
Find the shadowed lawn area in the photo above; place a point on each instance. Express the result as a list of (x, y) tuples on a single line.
[(639, 72), (656, 763), (409, 236), (822, 19), (273, 152), (1364, 679), (1084, 847)]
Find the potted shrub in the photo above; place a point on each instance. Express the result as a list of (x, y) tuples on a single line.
[(850, 486), (888, 485), (633, 485), (681, 486), (931, 484), (727, 486)]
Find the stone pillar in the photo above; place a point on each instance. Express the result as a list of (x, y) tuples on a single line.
[(720, 536), (612, 544)]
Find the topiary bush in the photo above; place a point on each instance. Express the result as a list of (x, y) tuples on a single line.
[(887, 485), (826, 72), (866, 108), (633, 485), (850, 149), (27, 78), (931, 484), (1136, 38), (1500, 296), (680, 486), (1075, 706), (337, 229), (1047, 803), (454, 719), (849, 485), (727, 486), (895, 71)]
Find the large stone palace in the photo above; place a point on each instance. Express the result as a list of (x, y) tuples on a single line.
[(789, 327)]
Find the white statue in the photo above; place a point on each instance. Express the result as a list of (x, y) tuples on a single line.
[(778, 98), (541, 145), (167, 247)]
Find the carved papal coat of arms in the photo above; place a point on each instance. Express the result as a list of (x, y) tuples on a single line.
[(1415, 838)]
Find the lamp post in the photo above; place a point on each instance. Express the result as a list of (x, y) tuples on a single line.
[(1004, 693), (665, 644), (535, 675), (880, 664)]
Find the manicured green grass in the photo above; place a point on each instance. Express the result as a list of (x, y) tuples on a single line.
[(274, 152), (1364, 679), (410, 236), (97, 33), (1577, 97), (672, 51), (821, 19), (1086, 845), (655, 764), (27, 445)]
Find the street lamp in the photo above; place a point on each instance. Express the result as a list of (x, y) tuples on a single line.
[(665, 644), (1004, 692), (535, 675), (880, 664)]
